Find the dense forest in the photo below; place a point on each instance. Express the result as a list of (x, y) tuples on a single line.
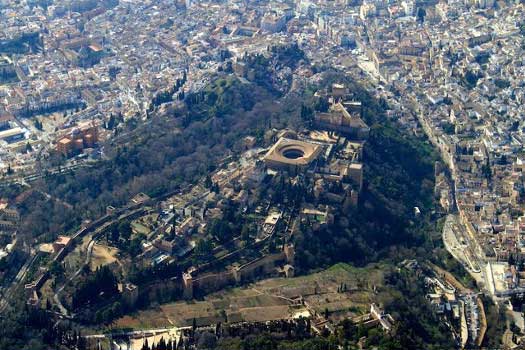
[(162, 155), (98, 286), (399, 176)]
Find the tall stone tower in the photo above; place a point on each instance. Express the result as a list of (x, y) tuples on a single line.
[(289, 251), (187, 280)]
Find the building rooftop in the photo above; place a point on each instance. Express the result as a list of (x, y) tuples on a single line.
[(288, 152)]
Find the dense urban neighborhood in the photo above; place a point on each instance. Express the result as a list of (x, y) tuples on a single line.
[(293, 174)]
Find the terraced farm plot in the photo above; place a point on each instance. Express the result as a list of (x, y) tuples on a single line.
[(344, 290)]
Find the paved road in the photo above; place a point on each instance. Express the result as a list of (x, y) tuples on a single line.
[(472, 315), (145, 333), (24, 180), (12, 289)]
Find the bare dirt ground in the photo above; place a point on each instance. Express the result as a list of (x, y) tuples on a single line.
[(46, 248), (102, 255)]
